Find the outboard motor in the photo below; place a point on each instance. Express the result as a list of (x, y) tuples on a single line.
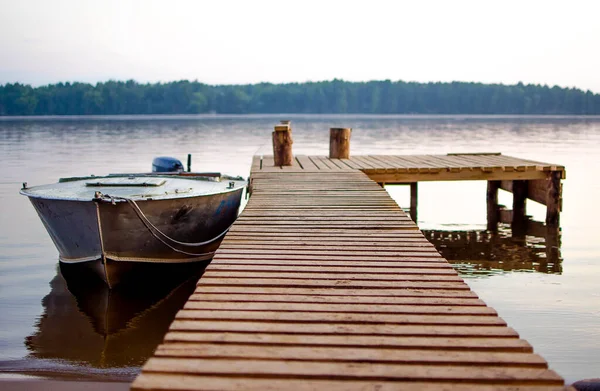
[(166, 164)]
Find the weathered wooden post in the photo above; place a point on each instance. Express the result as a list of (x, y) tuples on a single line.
[(518, 226), (553, 247), (553, 195), (339, 143), (493, 214), (282, 144), (414, 200)]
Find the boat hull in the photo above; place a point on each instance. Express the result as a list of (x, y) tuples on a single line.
[(116, 241)]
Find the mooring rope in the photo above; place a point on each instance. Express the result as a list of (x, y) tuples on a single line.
[(153, 229)]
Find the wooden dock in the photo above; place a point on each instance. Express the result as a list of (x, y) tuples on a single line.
[(325, 283), (526, 179)]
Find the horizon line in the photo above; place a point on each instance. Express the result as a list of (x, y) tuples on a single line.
[(34, 85)]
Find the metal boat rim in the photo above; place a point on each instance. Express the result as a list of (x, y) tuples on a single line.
[(134, 187)]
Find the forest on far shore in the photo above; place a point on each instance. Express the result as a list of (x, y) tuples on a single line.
[(325, 97)]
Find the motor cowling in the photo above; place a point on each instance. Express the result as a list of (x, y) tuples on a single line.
[(166, 164)]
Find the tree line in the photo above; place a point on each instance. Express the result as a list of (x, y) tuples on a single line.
[(335, 96)]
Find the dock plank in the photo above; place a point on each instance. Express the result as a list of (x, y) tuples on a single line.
[(350, 371), (382, 334), (436, 343), (288, 291), (337, 354)]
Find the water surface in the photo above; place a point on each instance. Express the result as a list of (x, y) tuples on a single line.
[(51, 327)]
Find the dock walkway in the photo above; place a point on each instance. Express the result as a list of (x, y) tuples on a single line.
[(325, 283)]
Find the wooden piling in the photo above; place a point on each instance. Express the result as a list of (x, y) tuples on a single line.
[(492, 205), (414, 200), (339, 143), (519, 222), (282, 144), (553, 195), (553, 246)]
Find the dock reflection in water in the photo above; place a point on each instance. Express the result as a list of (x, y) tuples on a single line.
[(86, 324), (531, 248)]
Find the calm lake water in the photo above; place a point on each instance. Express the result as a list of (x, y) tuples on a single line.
[(54, 329)]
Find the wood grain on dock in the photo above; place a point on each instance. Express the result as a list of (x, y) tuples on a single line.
[(325, 283)]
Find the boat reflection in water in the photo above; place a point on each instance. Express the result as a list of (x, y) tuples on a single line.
[(85, 324), (533, 248)]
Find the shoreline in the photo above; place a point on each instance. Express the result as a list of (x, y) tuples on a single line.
[(277, 116)]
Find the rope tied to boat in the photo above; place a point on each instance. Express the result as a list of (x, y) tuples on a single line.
[(154, 231)]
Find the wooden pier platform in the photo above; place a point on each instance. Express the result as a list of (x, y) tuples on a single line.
[(324, 283)]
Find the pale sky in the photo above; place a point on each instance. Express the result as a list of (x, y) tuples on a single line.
[(227, 42)]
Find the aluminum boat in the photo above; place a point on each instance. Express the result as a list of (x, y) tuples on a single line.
[(117, 223)]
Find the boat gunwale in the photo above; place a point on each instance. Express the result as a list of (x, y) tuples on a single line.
[(240, 184)]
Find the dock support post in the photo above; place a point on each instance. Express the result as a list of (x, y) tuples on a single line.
[(282, 144), (553, 208), (339, 143), (492, 205), (414, 200), (553, 247), (553, 199), (519, 206)]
